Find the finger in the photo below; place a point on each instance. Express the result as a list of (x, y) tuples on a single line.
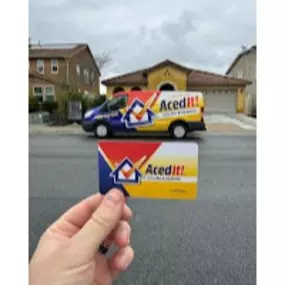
[(120, 261), (100, 225), (128, 214), (74, 219), (120, 236)]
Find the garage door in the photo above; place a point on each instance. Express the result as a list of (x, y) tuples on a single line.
[(220, 102)]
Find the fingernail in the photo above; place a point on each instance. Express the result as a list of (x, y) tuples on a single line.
[(129, 236), (125, 260), (127, 233), (113, 197)]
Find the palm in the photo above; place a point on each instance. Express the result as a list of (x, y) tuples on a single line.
[(102, 271)]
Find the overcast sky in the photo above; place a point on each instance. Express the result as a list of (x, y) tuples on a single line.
[(204, 34)]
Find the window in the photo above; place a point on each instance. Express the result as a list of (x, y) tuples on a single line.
[(39, 93), (86, 75), (240, 74), (92, 76), (54, 66), (117, 103), (44, 93), (105, 107), (49, 93), (136, 88), (40, 66), (77, 69), (118, 89)]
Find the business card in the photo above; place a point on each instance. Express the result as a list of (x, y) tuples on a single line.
[(155, 170)]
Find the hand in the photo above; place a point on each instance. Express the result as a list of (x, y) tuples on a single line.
[(67, 253)]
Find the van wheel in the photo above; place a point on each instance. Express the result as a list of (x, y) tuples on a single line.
[(179, 130), (101, 130)]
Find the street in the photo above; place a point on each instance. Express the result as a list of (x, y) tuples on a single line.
[(208, 241)]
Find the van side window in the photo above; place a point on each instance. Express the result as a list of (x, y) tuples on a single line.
[(122, 101), (118, 103)]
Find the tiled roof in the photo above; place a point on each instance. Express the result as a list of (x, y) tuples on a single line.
[(199, 77), (136, 77), (252, 49), (194, 77), (54, 51), (167, 62)]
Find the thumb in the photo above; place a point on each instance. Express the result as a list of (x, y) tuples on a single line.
[(100, 225)]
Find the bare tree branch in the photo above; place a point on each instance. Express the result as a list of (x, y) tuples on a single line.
[(103, 59)]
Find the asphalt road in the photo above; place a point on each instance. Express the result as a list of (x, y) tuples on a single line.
[(208, 241)]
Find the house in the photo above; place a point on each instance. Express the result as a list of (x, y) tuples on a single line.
[(244, 67), (223, 94), (55, 69)]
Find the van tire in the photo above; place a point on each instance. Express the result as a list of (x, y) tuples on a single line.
[(102, 130), (178, 130)]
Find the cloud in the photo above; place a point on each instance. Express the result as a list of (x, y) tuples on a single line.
[(203, 34)]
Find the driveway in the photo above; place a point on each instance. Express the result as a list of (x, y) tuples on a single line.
[(238, 120), (208, 241)]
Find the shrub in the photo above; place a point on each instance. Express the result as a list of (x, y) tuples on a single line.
[(87, 102), (100, 99), (33, 104), (97, 101), (49, 106), (65, 98)]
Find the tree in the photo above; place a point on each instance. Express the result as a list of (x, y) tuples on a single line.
[(103, 59)]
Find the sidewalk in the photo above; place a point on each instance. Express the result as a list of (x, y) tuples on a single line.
[(70, 129)]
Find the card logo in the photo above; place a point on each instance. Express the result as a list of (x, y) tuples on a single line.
[(140, 113), (169, 170), (128, 172)]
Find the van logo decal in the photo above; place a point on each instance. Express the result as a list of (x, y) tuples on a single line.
[(174, 105), (139, 113)]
